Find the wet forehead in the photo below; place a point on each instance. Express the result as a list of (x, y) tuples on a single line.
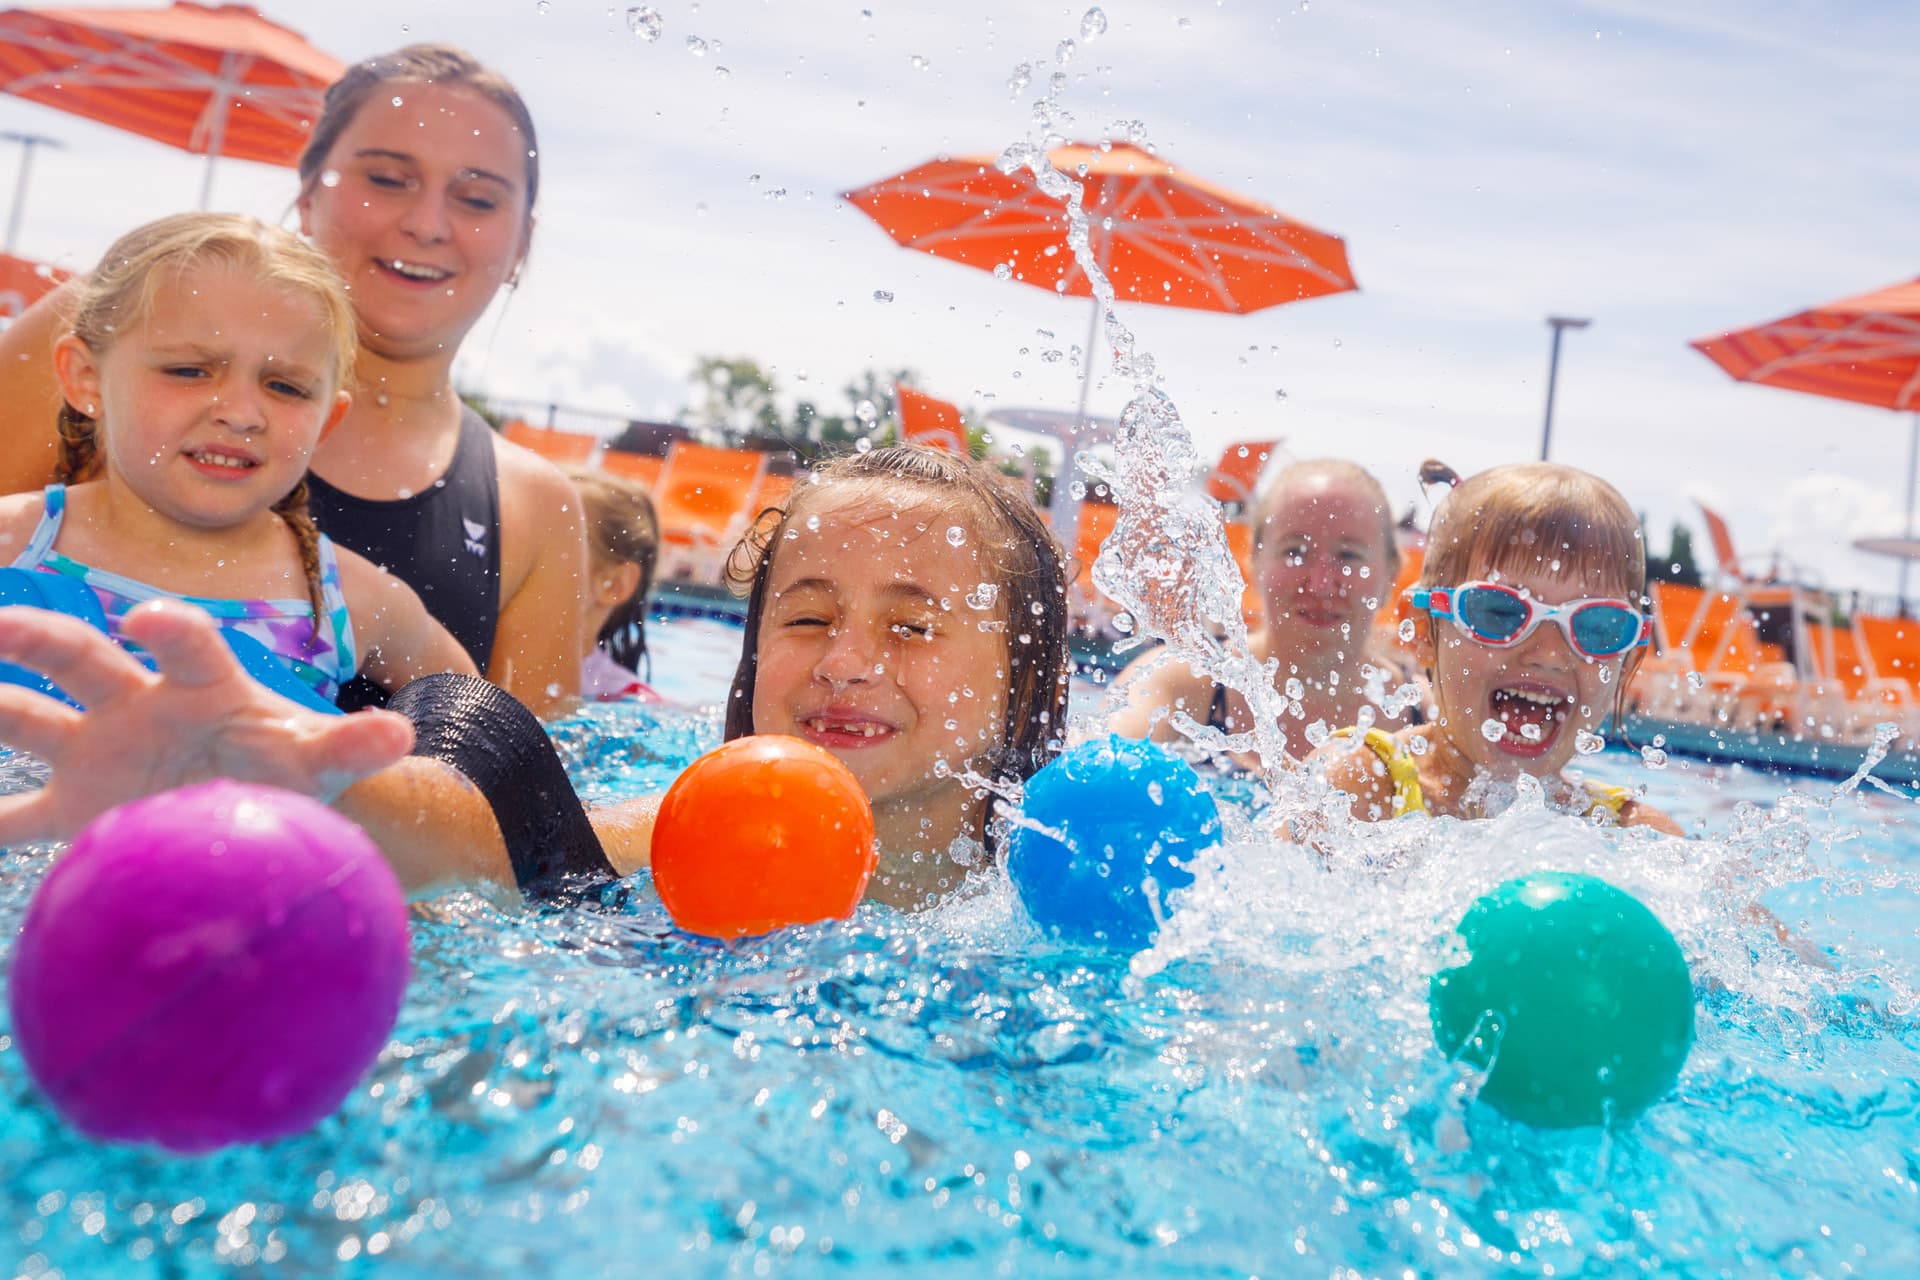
[(448, 125), (1327, 506), (222, 305), (870, 545)]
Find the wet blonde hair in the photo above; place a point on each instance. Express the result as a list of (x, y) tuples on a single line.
[(1268, 508), (1538, 515), (117, 296), (621, 527)]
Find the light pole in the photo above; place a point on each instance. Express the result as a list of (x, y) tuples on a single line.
[(1556, 323), (27, 141)]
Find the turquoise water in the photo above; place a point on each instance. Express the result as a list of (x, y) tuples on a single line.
[(585, 1092)]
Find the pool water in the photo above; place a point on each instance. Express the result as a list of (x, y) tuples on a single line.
[(585, 1092)]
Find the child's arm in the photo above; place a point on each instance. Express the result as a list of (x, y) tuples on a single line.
[(1357, 769), (397, 638), (1635, 814)]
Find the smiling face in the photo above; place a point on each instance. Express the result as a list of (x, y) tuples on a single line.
[(869, 647), (1321, 569), (422, 205), (211, 406), (1540, 692)]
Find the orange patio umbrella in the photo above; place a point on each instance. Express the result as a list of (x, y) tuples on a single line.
[(1160, 234), (23, 281), (212, 80), (1865, 349)]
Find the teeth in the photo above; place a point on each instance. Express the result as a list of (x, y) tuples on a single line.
[(1534, 696), (415, 271), (219, 459), (831, 726)]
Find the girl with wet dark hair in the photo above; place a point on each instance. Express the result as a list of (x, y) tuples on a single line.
[(906, 611)]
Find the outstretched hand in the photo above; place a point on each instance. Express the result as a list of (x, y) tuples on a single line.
[(200, 716)]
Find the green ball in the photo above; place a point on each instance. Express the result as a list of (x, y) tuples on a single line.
[(1575, 995)]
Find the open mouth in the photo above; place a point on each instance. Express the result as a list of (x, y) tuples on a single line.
[(414, 272), (1531, 715)]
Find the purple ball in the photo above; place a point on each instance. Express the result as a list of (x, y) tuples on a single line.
[(211, 965)]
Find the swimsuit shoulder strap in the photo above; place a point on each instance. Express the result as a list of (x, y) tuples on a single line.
[(1405, 775), (1605, 799), (47, 531), (338, 618)]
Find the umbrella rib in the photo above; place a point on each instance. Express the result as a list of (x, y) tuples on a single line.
[(1210, 272)]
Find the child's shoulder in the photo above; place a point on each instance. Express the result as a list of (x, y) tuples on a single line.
[(19, 516)]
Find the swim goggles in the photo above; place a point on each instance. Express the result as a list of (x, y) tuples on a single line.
[(1501, 617)]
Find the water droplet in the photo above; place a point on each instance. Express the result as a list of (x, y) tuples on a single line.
[(543, 8), (1606, 674), (865, 411), (1531, 732), (919, 63), (956, 536), (1588, 743), (983, 596), (882, 295), (1021, 78), (696, 46), (1653, 757), (863, 445), (1696, 681), (1492, 730), (1318, 733), (813, 523), (1295, 689), (1123, 623), (330, 178), (1279, 394), (399, 101), (1064, 51), (1407, 630), (1093, 24), (1003, 271), (645, 22)]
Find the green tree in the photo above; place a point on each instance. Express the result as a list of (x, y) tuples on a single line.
[(737, 397), (1678, 565)]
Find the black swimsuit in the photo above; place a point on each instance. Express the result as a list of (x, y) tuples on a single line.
[(444, 542)]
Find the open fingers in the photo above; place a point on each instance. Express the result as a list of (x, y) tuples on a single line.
[(81, 660), (35, 723), (28, 816), (184, 641), (352, 747)]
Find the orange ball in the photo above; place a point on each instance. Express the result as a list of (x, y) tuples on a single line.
[(762, 833)]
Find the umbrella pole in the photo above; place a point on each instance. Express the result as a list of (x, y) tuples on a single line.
[(1913, 473), (223, 92)]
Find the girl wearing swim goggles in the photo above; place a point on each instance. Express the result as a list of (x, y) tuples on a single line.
[(1528, 623)]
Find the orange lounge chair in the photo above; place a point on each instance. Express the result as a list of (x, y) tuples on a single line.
[(1236, 477), (562, 448), (642, 468), (702, 498)]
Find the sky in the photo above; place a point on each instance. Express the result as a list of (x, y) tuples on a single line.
[(1670, 171)]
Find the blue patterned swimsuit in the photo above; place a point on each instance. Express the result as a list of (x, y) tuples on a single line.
[(284, 627)]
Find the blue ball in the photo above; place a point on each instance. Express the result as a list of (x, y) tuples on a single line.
[(1122, 819)]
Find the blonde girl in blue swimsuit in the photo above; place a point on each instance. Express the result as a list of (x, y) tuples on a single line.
[(1530, 621), (205, 359)]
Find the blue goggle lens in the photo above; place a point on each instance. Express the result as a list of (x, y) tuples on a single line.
[(1493, 614), (1606, 629)]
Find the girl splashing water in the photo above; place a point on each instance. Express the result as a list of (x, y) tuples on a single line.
[(906, 611), (1530, 624), (204, 364)]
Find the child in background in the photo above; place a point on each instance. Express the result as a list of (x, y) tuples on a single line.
[(623, 546), (205, 360), (1532, 623)]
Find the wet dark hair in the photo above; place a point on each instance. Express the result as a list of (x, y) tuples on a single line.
[(622, 527), (1027, 564), (440, 64)]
